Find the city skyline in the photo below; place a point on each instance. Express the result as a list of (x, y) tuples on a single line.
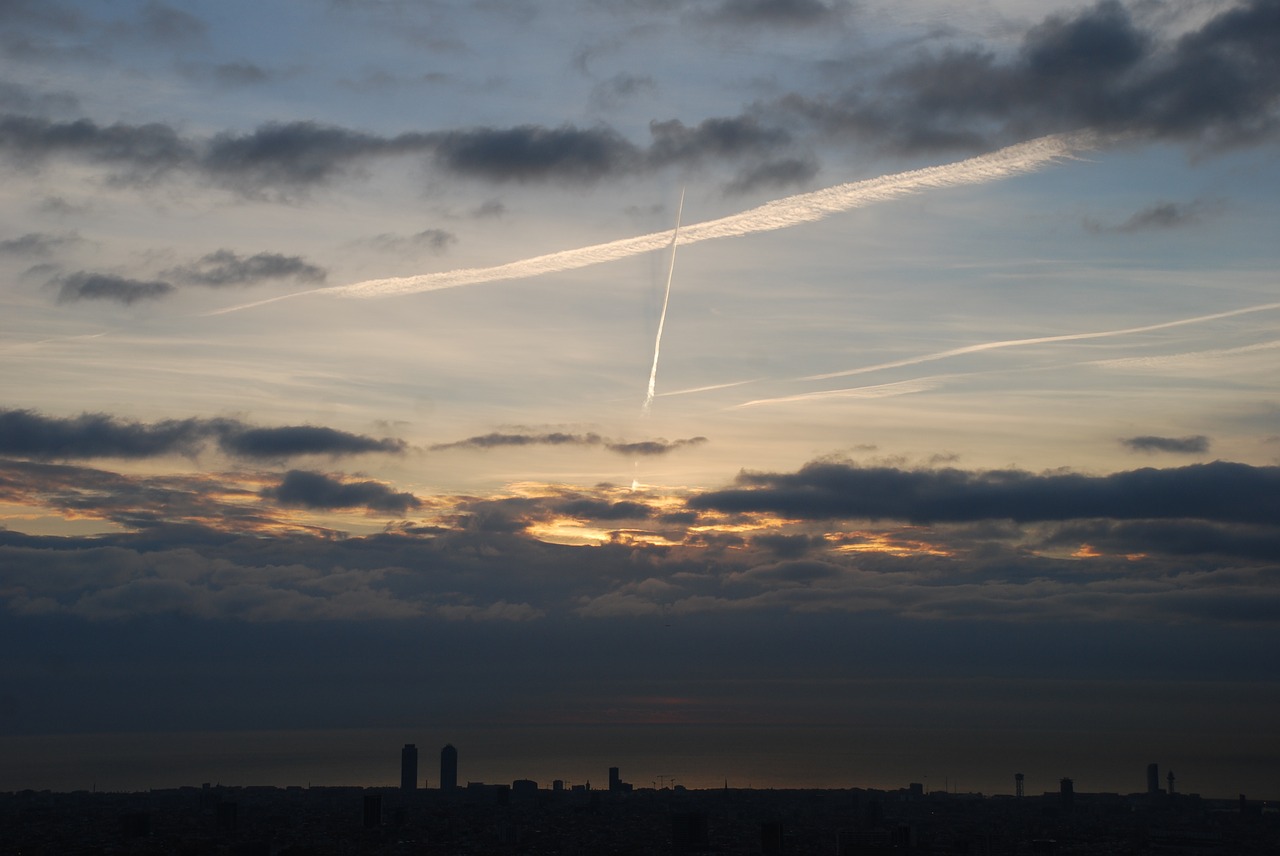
[(782, 390)]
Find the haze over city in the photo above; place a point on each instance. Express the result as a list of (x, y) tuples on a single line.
[(798, 393)]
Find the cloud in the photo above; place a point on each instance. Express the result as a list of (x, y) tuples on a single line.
[(240, 74), (434, 240), (294, 155), (1217, 491), (1213, 87), (237, 439), (21, 99), (648, 448), (774, 174), (735, 137), (94, 435), (1161, 215), (37, 244), (1197, 445), (559, 438), (25, 433), (305, 489), (145, 152), (290, 157), (164, 23), (224, 267), (84, 285), (532, 153), (786, 13)]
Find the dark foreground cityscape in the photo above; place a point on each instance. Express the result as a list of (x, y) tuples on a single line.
[(525, 817)]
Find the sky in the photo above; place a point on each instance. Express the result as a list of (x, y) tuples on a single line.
[(788, 392)]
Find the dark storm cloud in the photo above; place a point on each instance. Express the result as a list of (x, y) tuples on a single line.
[(236, 439), (95, 435), (224, 267), (305, 489), (532, 153), (27, 434), (1217, 491), (1214, 87), (786, 546), (1196, 445), (559, 438), (595, 509), (143, 151), (84, 285), (37, 244), (1184, 538), (295, 156)]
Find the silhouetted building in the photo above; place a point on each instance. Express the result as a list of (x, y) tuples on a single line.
[(1153, 778), (448, 768), (409, 767), (1066, 793), (557, 785), (524, 791), (614, 781), (1170, 780), (1017, 784)]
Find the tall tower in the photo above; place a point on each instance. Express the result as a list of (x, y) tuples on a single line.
[(1017, 784), (615, 783), (409, 768), (1153, 778), (1066, 793), (1170, 777), (448, 768)]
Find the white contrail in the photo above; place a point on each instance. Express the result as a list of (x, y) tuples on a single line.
[(1041, 340), (662, 318), (778, 214), (880, 390)]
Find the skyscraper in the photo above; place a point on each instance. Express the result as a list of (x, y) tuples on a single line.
[(448, 768), (409, 767), (1153, 778)]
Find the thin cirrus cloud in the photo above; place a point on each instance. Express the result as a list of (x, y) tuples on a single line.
[(27, 434)]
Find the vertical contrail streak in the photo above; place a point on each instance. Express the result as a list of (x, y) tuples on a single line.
[(662, 319)]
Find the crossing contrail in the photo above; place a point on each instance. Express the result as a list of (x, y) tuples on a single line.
[(779, 214), (1042, 340), (662, 318)]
